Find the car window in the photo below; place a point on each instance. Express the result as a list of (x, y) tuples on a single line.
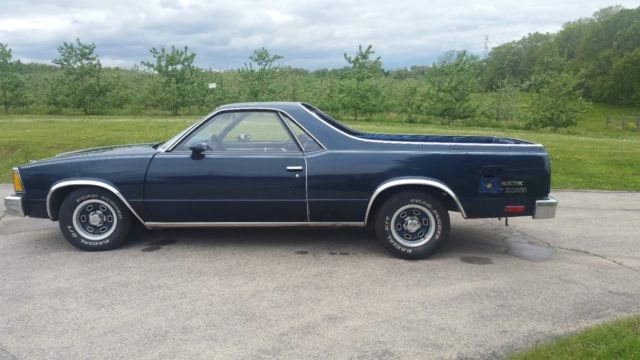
[(243, 131), (307, 142)]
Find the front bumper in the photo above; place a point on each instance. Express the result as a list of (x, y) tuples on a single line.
[(14, 205), (545, 209)]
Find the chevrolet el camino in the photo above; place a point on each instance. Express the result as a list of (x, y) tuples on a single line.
[(286, 164)]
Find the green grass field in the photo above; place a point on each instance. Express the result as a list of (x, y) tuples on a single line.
[(586, 157), (615, 340)]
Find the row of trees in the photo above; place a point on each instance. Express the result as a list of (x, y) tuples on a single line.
[(172, 83), (13, 89), (601, 52), (596, 58)]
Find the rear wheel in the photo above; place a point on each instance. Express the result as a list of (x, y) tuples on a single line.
[(93, 219), (412, 225)]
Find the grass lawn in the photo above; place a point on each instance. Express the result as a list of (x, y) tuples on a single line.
[(581, 158), (615, 340)]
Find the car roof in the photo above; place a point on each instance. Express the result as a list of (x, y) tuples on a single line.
[(278, 105)]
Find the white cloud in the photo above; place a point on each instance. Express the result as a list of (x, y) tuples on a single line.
[(309, 34)]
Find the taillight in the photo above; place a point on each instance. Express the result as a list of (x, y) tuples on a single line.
[(514, 209)]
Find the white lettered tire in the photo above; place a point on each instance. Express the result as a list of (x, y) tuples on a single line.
[(412, 225), (94, 219)]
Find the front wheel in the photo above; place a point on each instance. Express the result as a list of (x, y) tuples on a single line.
[(93, 219), (412, 225)]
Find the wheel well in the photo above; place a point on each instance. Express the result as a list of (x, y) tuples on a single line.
[(439, 194), (58, 196)]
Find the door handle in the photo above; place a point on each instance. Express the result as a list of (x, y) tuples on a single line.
[(294, 168)]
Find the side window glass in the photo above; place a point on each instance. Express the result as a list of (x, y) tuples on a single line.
[(243, 131), (308, 143)]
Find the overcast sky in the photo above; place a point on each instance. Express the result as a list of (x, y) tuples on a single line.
[(309, 34)]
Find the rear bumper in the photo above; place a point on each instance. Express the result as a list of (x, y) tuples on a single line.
[(14, 205), (545, 209)]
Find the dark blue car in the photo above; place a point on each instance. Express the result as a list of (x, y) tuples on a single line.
[(286, 164)]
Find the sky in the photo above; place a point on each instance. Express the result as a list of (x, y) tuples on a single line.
[(309, 34)]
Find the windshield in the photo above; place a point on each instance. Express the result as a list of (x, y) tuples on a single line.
[(166, 144), (163, 146)]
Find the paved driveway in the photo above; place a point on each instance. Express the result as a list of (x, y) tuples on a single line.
[(232, 294)]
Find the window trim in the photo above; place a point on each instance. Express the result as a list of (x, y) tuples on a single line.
[(291, 132), (283, 124), (282, 117)]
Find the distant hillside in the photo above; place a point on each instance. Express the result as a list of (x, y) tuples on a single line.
[(603, 51)]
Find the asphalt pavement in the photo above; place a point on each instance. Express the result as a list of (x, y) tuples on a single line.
[(317, 293)]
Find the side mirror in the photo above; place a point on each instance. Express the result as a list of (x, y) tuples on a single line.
[(197, 150)]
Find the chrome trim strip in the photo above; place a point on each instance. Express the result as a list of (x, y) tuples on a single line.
[(301, 127), (291, 132), (294, 168), (96, 183), (306, 186), (190, 129), (414, 181), (411, 142), (13, 205), (545, 209), (175, 225)]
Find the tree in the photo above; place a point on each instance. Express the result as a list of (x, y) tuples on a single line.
[(80, 84), (452, 80), (592, 47), (258, 75), (623, 85), (409, 98), (504, 97), (13, 90), (177, 84), (360, 87), (557, 103)]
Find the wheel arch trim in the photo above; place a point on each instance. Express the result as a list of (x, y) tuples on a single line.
[(426, 182), (87, 182)]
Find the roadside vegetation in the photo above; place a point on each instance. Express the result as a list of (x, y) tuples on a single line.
[(580, 158), (613, 340), (595, 59), (576, 91)]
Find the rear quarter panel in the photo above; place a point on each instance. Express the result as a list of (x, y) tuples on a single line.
[(341, 183)]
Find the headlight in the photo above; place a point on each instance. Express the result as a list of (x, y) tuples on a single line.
[(17, 182)]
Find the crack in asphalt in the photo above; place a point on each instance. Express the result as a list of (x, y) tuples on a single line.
[(585, 252), (578, 251)]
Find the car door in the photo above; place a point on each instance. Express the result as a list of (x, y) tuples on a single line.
[(252, 171)]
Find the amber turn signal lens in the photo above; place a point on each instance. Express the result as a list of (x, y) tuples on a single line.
[(17, 184)]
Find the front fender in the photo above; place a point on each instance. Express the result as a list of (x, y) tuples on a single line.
[(58, 191)]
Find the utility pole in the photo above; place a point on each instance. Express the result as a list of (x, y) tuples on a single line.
[(486, 45)]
